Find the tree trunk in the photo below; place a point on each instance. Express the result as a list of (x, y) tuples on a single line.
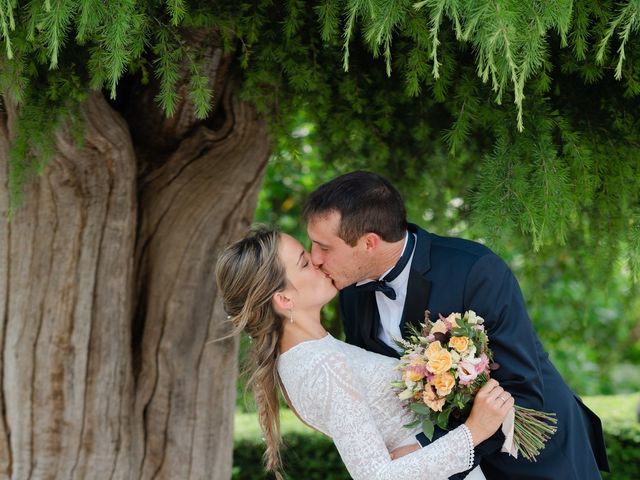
[(108, 297)]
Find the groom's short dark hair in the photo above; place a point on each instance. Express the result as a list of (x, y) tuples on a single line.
[(366, 203)]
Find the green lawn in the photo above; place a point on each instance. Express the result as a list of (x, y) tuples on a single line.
[(614, 408), (610, 409), (246, 425)]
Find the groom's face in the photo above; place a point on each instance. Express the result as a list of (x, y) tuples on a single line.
[(343, 263)]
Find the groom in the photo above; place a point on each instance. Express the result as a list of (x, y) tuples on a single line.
[(389, 272)]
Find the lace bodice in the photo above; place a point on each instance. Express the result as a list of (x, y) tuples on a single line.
[(344, 391)]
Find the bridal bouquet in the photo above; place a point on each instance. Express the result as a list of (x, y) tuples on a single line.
[(444, 365)]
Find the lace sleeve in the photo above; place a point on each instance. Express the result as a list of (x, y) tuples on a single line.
[(345, 415)]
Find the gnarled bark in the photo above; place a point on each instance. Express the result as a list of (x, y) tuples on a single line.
[(108, 300)]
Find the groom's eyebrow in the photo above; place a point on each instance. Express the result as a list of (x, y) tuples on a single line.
[(319, 243), (301, 255)]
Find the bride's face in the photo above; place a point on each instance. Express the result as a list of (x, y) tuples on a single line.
[(309, 286)]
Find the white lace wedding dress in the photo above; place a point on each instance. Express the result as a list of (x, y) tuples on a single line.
[(344, 392)]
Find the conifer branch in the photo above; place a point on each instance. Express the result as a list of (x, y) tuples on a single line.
[(8, 24), (328, 13), (629, 18), (56, 22), (120, 28), (177, 10), (199, 92), (435, 22), (91, 15), (167, 56), (624, 36), (348, 30)]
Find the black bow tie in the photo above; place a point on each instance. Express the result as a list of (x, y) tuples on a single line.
[(382, 285)]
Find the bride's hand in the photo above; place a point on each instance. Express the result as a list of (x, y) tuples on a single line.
[(491, 405)]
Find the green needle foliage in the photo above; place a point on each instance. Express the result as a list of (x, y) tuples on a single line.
[(528, 108)]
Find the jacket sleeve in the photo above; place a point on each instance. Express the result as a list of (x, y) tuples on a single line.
[(492, 292)]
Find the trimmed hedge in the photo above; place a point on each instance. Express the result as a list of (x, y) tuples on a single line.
[(312, 456), (623, 450), (308, 455)]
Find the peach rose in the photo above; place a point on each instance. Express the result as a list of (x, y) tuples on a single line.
[(440, 362), (453, 319), (460, 344), (444, 383), (438, 327), (414, 375), (433, 348), (431, 400)]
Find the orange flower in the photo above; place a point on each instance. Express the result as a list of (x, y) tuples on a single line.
[(453, 319), (438, 327), (431, 400), (440, 362), (433, 348), (444, 383), (414, 375), (459, 343)]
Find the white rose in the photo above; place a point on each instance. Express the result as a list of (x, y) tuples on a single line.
[(470, 354)]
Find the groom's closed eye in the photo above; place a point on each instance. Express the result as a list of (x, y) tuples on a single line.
[(321, 246)]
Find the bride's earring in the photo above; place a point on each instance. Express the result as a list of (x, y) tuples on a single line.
[(291, 315)]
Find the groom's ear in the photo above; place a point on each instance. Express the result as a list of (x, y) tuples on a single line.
[(371, 241)]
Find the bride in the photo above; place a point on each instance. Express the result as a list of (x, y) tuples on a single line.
[(271, 289)]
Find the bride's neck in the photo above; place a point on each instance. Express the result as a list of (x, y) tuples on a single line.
[(303, 328)]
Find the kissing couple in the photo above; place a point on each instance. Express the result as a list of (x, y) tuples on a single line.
[(388, 273)]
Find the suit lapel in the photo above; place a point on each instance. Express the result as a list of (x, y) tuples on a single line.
[(418, 290), (369, 322), (418, 285)]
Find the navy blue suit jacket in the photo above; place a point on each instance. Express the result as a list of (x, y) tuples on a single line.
[(454, 275)]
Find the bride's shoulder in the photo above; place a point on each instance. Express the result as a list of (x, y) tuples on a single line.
[(313, 355)]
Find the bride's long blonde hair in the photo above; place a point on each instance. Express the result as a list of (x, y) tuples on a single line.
[(249, 273)]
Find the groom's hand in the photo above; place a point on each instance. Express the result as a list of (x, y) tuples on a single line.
[(406, 450)]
